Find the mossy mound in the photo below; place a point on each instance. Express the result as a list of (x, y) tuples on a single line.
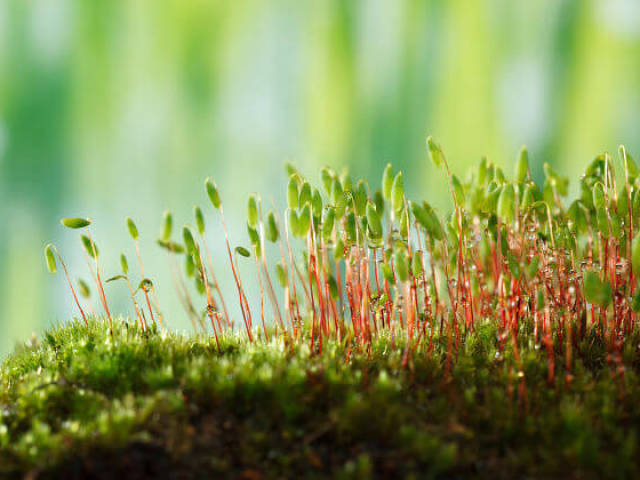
[(80, 404)]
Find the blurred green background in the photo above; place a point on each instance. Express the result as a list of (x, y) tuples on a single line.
[(117, 108)]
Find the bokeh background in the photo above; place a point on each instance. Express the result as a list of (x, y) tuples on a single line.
[(118, 108)]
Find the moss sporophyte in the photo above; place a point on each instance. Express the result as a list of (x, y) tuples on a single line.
[(544, 286)]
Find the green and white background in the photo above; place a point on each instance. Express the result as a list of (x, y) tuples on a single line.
[(114, 108)]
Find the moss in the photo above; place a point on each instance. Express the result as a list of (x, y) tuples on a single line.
[(80, 403)]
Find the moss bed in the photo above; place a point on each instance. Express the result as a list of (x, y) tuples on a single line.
[(80, 404)]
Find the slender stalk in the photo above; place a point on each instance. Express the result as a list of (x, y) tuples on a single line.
[(146, 294), (270, 292), (246, 315), (215, 281), (100, 287), (264, 327), (73, 291), (143, 324)]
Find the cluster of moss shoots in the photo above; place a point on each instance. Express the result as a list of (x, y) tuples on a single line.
[(365, 273), (375, 263)]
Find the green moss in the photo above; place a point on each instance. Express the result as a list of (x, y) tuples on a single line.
[(80, 402)]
